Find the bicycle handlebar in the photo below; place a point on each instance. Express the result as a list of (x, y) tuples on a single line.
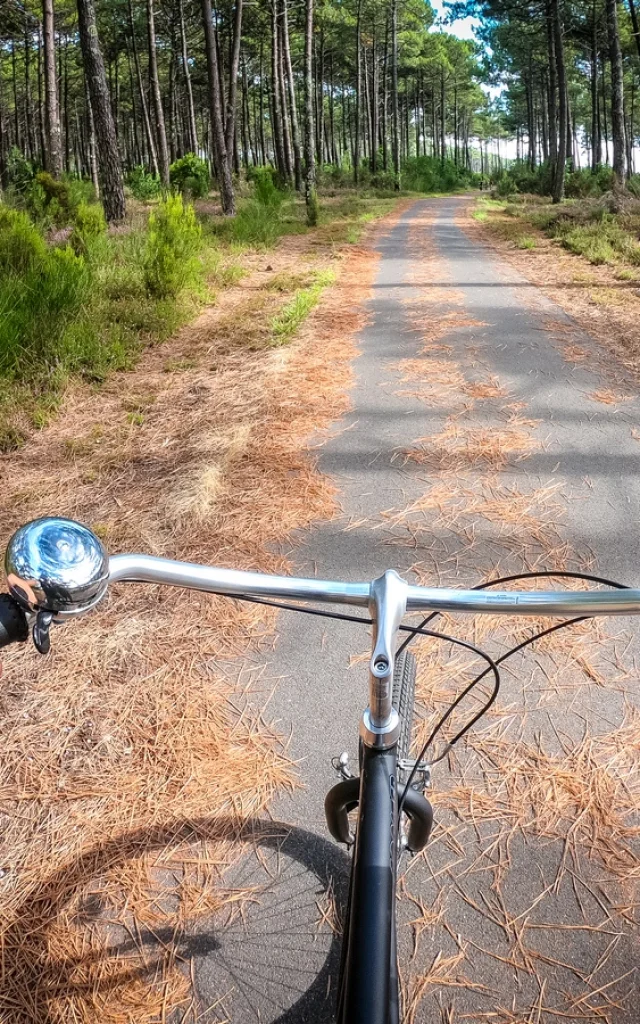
[(234, 582), (57, 568)]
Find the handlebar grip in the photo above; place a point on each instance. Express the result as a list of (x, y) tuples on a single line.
[(14, 627)]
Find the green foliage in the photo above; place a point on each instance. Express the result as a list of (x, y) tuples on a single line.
[(190, 176), (173, 244), (90, 226), (265, 187), (20, 172), (55, 191), (428, 174), (39, 311), (143, 185), (22, 247), (295, 312)]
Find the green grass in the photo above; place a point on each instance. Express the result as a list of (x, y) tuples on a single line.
[(88, 313), (285, 325)]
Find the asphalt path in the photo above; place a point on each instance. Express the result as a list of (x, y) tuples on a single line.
[(499, 923)]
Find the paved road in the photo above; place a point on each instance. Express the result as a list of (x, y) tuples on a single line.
[(479, 400)]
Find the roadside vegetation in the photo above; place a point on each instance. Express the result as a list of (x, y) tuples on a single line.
[(585, 227), (81, 299)]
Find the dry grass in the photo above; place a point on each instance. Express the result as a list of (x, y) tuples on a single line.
[(463, 446), (607, 396), (129, 767)]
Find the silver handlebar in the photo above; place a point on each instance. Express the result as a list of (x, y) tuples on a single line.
[(57, 568)]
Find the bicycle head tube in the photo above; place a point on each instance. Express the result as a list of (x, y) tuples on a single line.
[(387, 604)]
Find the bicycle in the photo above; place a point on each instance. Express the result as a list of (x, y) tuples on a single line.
[(58, 569)]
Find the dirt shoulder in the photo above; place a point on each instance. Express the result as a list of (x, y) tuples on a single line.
[(125, 769)]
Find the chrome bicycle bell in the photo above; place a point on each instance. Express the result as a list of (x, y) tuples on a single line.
[(56, 567)]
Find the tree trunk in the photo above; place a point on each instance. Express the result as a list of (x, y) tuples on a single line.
[(276, 121), (143, 100), (595, 112), (375, 98), (634, 22), (356, 148), (109, 166), (28, 107), (193, 131), (558, 185), (54, 135), (223, 165), (295, 127), (286, 134), (230, 117), (395, 115), (160, 130), (552, 91), (617, 94), (311, 197)]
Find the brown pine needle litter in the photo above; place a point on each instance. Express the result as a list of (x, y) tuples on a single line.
[(537, 833), (129, 767)]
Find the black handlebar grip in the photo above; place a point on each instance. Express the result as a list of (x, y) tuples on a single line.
[(14, 627)]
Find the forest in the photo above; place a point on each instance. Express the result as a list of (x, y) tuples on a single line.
[(138, 139), (117, 92)]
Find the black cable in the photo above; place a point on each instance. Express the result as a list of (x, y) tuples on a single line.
[(543, 574), (514, 650), (492, 666)]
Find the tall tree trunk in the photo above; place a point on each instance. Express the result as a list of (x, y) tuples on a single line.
[(276, 121), (558, 185), (286, 134), (375, 98), (311, 197), (356, 148), (109, 166), (617, 94), (54, 135), (385, 98), (151, 145), (595, 112), (223, 164), (634, 22), (230, 116), (160, 130), (295, 127), (193, 131), (28, 106), (395, 114), (553, 87)]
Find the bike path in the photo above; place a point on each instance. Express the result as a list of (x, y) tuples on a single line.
[(445, 302)]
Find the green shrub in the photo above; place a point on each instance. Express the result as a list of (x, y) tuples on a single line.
[(173, 243), (428, 174), (55, 192), (265, 188), (37, 308), (190, 175), (89, 226), (143, 185), (256, 224), (22, 247), (20, 172)]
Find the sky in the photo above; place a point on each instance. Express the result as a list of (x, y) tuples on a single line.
[(463, 27)]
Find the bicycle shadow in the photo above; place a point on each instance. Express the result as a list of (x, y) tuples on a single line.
[(271, 962)]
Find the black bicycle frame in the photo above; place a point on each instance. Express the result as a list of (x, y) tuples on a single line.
[(369, 952)]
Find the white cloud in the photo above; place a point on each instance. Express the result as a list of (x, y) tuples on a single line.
[(463, 27)]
